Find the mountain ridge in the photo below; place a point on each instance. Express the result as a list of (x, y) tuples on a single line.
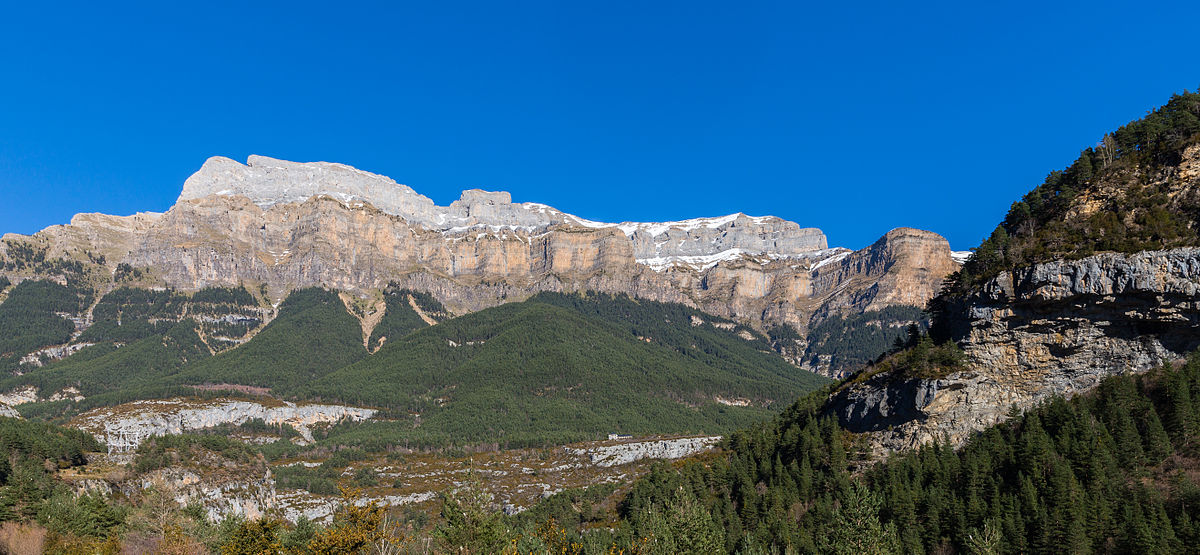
[(317, 224), (1093, 273)]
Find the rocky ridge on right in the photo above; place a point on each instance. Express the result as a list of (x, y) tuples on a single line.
[(1092, 274)]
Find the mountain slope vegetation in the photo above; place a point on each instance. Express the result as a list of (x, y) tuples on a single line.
[(535, 371), (108, 375), (845, 343), (553, 368), (401, 317), (1112, 471), (312, 336), (31, 317)]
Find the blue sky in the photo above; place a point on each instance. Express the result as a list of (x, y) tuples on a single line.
[(854, 118)]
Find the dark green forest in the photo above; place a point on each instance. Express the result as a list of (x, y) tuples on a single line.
[(851, 342), (30, 319), (34, 450), (1112, 471), (312, 336), (399, 319), (553, 369), (536, 372)]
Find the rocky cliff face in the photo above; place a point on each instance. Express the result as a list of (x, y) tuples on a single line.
[(1052, 329), (287, 225), (625, 453), (142, 419)]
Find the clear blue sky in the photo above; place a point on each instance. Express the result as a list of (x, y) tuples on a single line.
[(854, 118)]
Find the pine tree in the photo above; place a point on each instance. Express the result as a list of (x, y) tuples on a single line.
[(856, 529)]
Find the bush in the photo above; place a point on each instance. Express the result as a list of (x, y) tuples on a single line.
[(163, 451), (85, 516)]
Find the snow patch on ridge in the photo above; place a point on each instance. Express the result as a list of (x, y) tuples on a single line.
[(704, 262), (699, 263), (699, 243), (655, 229), (831, 260)]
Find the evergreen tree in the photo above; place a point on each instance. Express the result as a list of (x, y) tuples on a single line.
[(856, 528)]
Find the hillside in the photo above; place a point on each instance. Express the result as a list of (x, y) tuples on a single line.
[(32, 317), (1132, 192), (312, 336), (1112, 471), (555, 367), (537, 369), (1091, 274)]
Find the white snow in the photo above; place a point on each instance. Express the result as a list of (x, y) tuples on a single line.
[(589, 223), (700, 262), (961, 256), (704, 262), (541, 208), (831, 260), (658, 228)]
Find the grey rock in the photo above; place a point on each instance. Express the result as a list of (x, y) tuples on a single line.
[(710, 236), (1057, 328), (625, 453), (176, 416), (268, 182)]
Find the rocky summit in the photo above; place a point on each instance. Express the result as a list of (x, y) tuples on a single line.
[(285, 225)]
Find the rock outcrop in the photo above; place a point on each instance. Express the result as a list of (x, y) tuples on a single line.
[(625, 453), (1057, 328), (142, 419), (221, 488)]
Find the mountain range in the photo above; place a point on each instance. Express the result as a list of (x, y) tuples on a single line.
[(275, 226), (1041, 394)]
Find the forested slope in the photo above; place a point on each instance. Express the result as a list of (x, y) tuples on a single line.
[(1126, 194), (538, 370), (1112, 471), (553, 368)]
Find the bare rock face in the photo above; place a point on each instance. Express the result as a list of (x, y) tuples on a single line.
[(220, 240), (1057, 328), (101, 234), (243, 491), (904, 267), (286, 225), (625, 453), (268, 182), (660, 244), (143, 419)]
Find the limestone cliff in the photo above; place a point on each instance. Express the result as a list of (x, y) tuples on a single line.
[(1056, 328), (285, 225), (143, 419)]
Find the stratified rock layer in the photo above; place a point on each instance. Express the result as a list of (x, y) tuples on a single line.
[(1052, 329), (145, 419), (285, 225)]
